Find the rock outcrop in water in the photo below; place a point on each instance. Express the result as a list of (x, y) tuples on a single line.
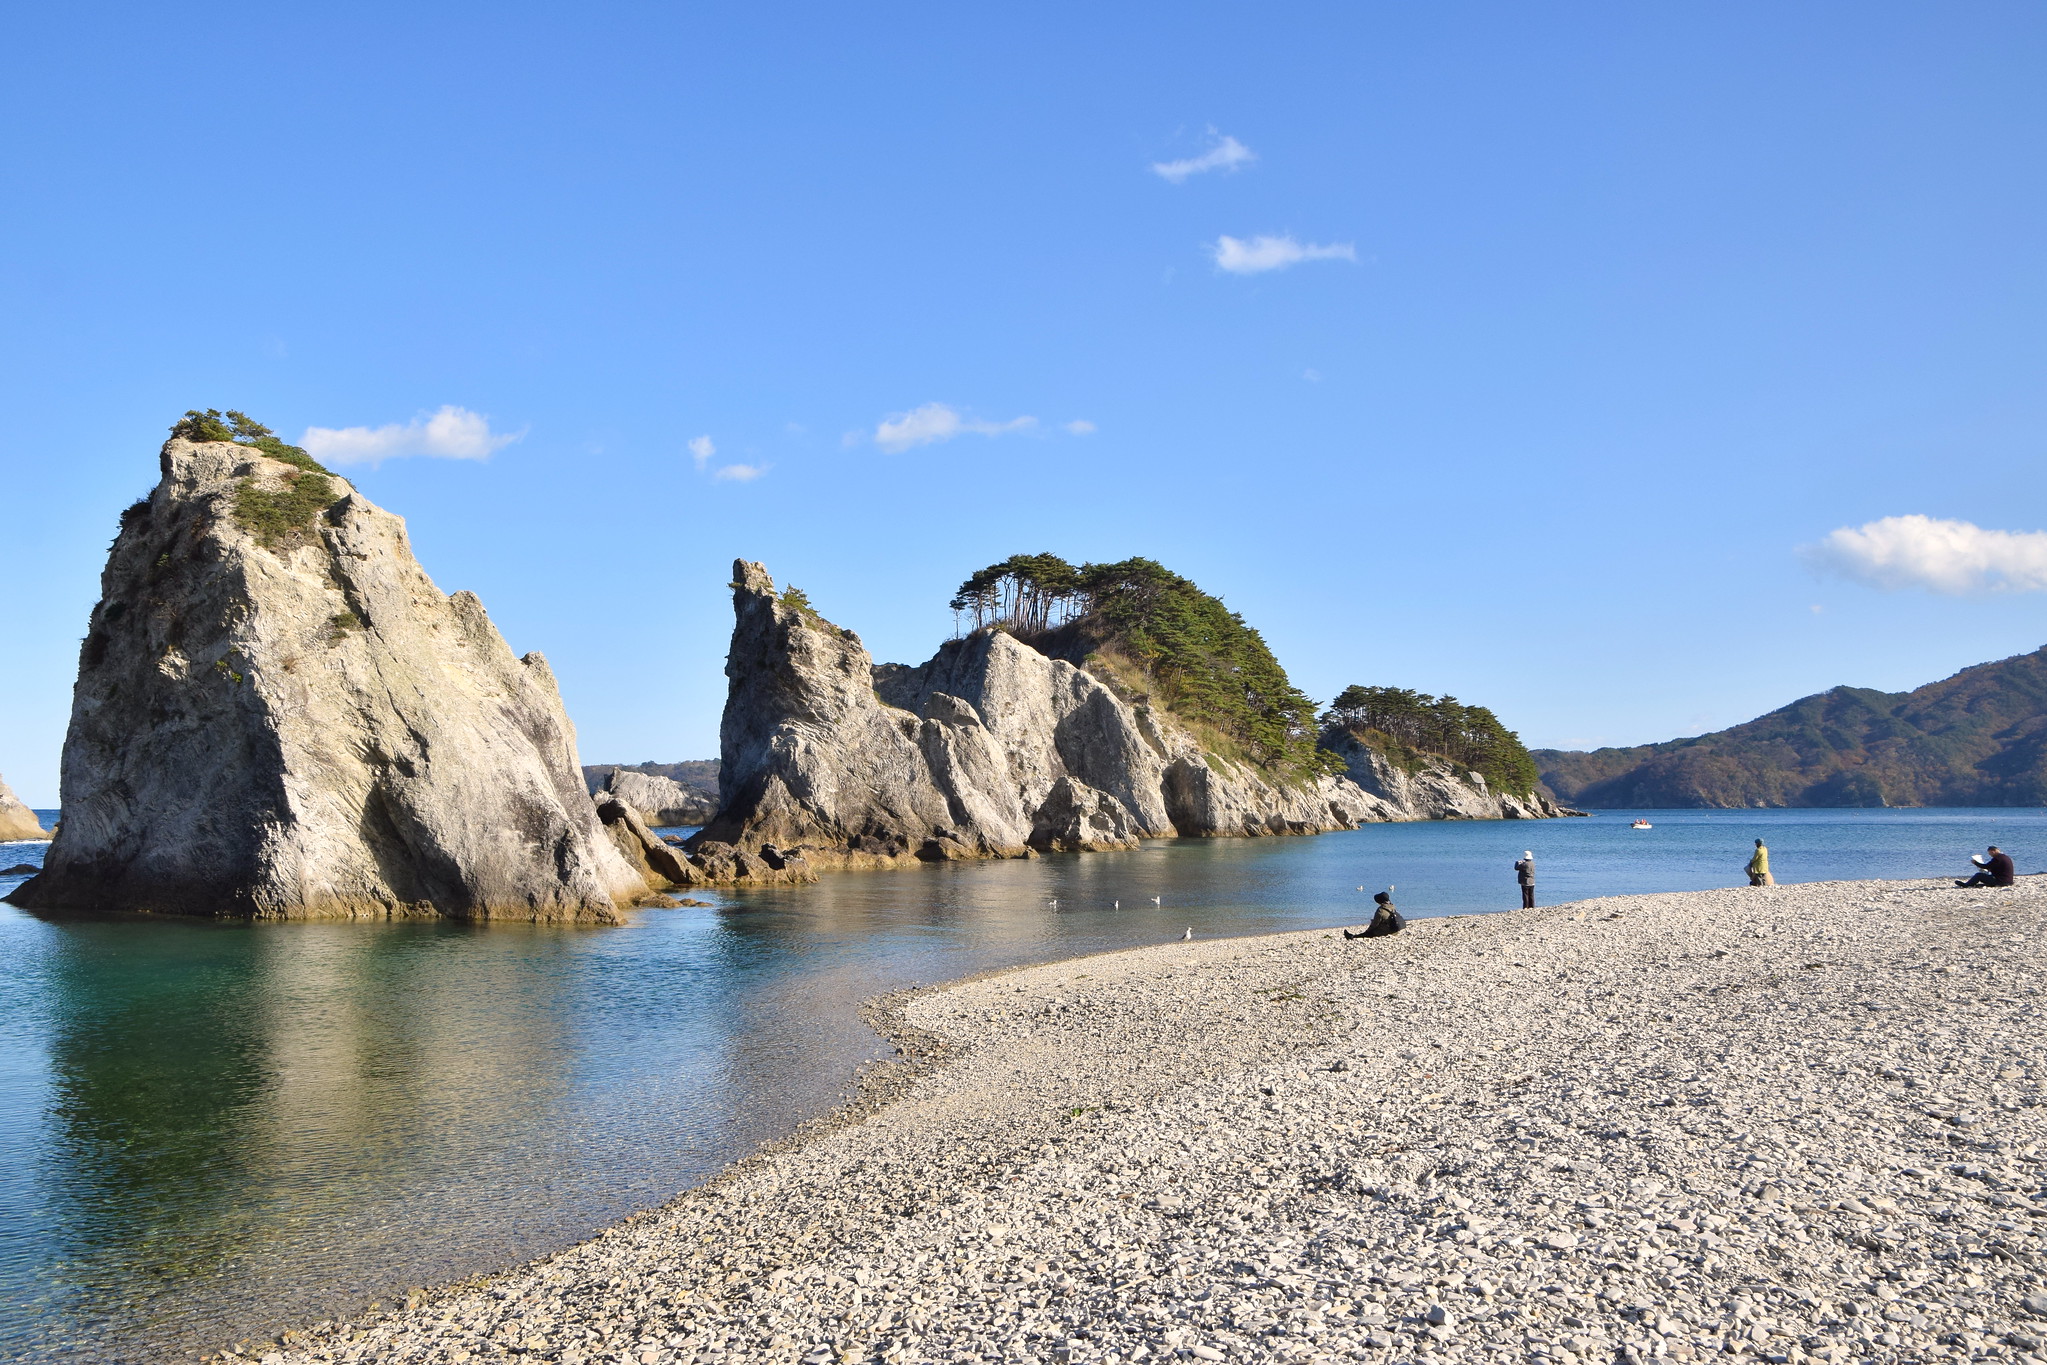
[(659, 800), (989, 750), (278, 714), (17, 822), (1436, 790)]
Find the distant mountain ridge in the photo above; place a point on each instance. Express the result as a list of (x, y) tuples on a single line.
[(1978, 738)]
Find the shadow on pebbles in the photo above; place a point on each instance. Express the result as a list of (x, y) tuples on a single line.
[(1795, 1123)]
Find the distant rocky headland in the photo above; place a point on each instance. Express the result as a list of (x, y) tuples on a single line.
[(662, 793), (1140, 709), (1978, 738)]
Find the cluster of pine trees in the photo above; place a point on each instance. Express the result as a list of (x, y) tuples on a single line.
[(1198, 658), (1411, 724)]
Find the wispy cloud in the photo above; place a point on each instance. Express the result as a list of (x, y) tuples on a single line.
[(1260, 254), (935, 422), (1081, 427), (702, 449), (1950, 557), (1226, 155), (451, 434)]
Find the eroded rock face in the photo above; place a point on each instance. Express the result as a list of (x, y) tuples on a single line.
[(284, 717), (659, 800), (1437, 792), (990, 749), (17, 822)]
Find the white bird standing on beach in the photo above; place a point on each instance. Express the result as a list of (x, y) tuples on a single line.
[(1188, 935)]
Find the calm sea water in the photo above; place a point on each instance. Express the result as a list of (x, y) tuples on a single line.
[(213, 1131)]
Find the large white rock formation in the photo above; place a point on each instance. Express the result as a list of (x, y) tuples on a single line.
[(658, 800), (991, 749), (278, 714)]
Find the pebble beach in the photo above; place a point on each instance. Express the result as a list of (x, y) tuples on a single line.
[(1789, 1123)]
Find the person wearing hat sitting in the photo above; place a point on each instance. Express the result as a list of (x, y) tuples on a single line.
[(1995, 870), (1385, 920)]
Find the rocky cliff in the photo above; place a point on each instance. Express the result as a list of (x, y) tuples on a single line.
[(278, 714), (989, 750), (17, 821), (658, 800), (1433, 790)]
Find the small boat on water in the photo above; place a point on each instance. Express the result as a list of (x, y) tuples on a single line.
[(1641, 824)]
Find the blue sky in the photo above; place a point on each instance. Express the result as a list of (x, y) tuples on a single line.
[(1604, 312)]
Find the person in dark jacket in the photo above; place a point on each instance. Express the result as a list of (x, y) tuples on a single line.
[(1995, 870), (1385, 920), (1524, 873)]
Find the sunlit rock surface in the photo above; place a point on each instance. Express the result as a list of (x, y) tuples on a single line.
[(288, 719)]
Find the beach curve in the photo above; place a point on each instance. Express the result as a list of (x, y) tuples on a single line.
[(1796, 1123)]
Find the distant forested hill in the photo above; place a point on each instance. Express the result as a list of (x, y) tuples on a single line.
[(1976, 739)]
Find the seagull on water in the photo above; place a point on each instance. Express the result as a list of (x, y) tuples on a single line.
[(1154, 900), (1115, 905), (1054, 902)]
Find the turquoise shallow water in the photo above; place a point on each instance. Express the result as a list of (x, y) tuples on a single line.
[(209, 1131)]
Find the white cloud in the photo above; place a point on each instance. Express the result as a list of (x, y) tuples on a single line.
[(701, 450), (739, 473), (1081, 427), (1260, 254), (451, 434), (1951, 557), (935, 422), (1226, 155)]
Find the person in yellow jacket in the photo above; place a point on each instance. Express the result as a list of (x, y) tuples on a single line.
[(1759, 867)]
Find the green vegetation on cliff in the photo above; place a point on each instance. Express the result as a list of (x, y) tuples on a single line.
[(1158, 637), (273, 515), (1412, 728), (1978, 738), (239, 427)]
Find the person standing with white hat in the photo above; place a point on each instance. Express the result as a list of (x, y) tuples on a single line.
[(1524, 872)]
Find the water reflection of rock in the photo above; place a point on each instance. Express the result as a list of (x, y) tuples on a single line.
[(255, 1125)]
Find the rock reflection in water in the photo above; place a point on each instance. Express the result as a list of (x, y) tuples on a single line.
[(244, 1127)]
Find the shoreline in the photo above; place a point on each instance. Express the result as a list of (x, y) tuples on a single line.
[(1294, 1147)]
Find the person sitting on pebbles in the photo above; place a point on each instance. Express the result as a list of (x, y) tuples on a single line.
[(1385, 920), (1995, 870)]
